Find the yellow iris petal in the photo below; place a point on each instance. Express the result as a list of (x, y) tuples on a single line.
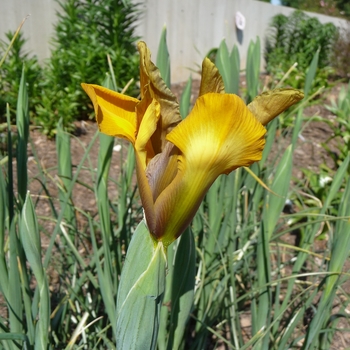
[(146, 129), (270, 104), (152, 82), (219, 135), (115, 113), (178, 203), (211, 78)]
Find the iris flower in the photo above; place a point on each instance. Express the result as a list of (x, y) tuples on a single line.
[(178, 160)]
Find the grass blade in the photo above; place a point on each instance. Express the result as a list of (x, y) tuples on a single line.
[(22, 120), (339, 254), (182, 292), (311, 73), (280, 185), (3, 226), (30, 238)]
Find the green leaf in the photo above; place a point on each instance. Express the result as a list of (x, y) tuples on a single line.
[(64, 170), (163, 59), (30, 237), (182, 292), (311, 73), (341, 241), (140, 294), (339, 254), (32, 246), (228, 65), (253, 69), (222, 62), (235, 71), (163, 334), (3, 214), (274, 204), (185, 100), (12, 288), (22, 119)]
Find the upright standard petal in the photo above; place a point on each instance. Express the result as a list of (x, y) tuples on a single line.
[(148, 124), (270, 104), (115, 113), (218, 136), (211, 79), (152, 82)]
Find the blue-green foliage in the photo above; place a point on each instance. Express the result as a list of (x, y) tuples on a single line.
[(10, 74)]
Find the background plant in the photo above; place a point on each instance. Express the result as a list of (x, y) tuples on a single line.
[(296, 39), (339, 125), (341, 52), (338, 8), (10, 73), (85, 33)]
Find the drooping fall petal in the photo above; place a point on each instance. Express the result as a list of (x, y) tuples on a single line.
[(122, 116), (218, 136), (270, 104), (115, 113)]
